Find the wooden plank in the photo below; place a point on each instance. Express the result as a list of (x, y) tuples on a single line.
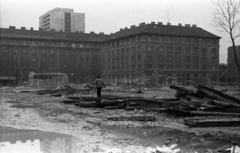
[(219, 95), (155, 109), (202, 113), (138, 107), (87, 104), (184, 91), (133, 118), (222, 122), (217, 102)]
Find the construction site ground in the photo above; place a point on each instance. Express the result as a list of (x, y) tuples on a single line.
[(46, 113)]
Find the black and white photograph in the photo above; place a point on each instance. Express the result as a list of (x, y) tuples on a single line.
[(119, 76)]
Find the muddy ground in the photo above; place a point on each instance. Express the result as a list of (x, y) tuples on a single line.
[(42, 112)]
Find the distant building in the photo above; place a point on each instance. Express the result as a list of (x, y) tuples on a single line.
[(161, 54), (229, 73), (62, 19), (231, 56)]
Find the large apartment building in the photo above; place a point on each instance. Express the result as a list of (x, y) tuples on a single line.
[(62, 19), (145, 54), (23, 51), (160, 54)]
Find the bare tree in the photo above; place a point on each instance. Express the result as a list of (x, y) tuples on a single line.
[(226, 18)]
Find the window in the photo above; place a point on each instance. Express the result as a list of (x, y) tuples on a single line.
[(178, 67), (204, 67), (196, 67), (133, 67), (204, 59), (169, 40), (139, 66), (160, 39), (169, 50), (149, 48), (195, 51), (149, 66), (178, 50), (160, 66), (204, 52), (149, 38), (188, 50), (196, 59), (169, 58), (169, 67), (178, 59), (133, 58), (139, 49), (139, 57), (188, 59), (178, 40)]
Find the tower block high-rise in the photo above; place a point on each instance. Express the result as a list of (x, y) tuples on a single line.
[(62, 19)]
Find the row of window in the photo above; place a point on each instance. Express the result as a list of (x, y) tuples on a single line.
[(48, 43), (184, 40), (179, 77), (162, 67), (178, 50)]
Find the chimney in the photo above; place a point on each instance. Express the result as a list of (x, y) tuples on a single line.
[(159, 23), (40, 29), (77, 31), (60, 30), (168, 23), (23, 28), (142, 24), (53, 30), (152, 22), (12, 27), (194, 25), (187, 25), (91, 32), (31, 29), (121, 29), (180, 24), (125, 28), (132, 26), (81, 31)]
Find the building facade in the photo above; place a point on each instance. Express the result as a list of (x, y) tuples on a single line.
[(23, 51), (148, 54), (62, 19), (229, 72), (160, 54), (231, 56)]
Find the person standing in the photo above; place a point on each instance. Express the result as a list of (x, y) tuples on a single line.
[(99, 85)]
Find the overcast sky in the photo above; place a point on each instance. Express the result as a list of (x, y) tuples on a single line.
[(109, 16)]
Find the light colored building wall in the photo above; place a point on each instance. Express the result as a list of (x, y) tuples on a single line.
[(78, 22), (57, 20)]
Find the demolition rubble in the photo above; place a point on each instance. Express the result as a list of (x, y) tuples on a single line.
[(200, 106), (190, 109)]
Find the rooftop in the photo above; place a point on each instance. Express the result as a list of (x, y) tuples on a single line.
[(168, 29), (12, 32)]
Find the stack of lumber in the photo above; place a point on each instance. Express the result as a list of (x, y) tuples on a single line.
[(201, 106), (206, 107)]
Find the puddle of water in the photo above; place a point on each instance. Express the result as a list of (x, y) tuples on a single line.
[(169, 140), (33, 141)]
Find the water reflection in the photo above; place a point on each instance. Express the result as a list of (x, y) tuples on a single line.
[(34, 141), (163, 139)]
